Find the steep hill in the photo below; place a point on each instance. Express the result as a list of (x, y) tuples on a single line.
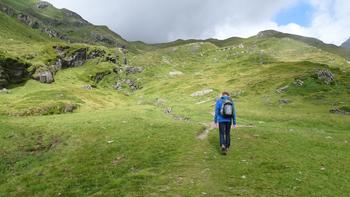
[(59, 23), (310, 41)]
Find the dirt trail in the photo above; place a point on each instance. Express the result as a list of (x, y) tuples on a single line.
[(208, 128)]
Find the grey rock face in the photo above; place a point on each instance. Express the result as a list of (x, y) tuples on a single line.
[(12, 72), (42, 4), (78, 58), (99, 76), (325, 75)]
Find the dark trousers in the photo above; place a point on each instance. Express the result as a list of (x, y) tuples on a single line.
[(224, 129)]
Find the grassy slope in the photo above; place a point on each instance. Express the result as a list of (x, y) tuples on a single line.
[(298, 149)]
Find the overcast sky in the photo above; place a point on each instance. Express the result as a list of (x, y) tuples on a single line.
[(166, 20)]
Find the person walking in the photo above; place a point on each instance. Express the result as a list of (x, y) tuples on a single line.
[(225, 118)]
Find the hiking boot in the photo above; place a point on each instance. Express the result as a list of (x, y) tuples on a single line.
[(223, 149)]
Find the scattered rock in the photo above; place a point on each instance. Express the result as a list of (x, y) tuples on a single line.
[(118, 86), (133, 70), (175, 73), (282, 89), (325, 76), (168, 110), (329, 137), (133, 85), (243, 177), (342, 111), (69, 108), (110, 142), (202, 93), (322, 168), (284, 101), (87, 87), (51, 33), (298, 82)]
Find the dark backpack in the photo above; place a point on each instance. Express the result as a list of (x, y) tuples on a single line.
[(227, 108)]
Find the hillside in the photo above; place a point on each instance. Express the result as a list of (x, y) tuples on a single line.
[(59, 23), (75, 120)]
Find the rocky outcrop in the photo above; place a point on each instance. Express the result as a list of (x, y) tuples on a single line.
[(8, 11), (132, 84), (298, 82), (28, 20), (324, 75), (42, 5), (99, 76), (12, 71), (51, 33)]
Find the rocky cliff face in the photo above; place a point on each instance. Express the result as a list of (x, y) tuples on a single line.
[(12, 71)]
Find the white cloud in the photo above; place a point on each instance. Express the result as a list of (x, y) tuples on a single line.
[(165, 20)]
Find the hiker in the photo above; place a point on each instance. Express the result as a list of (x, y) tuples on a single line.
[(225, 118)]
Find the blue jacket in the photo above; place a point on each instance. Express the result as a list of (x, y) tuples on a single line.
[(218, 117)]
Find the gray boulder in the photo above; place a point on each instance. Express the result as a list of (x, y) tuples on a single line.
[(282, 89), (46, 77), (4, 91)]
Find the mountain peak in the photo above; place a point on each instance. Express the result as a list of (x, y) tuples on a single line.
[(346, 44)]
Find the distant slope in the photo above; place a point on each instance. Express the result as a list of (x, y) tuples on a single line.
[(346, 44), (59, 23), (345, 53), (217, 42)]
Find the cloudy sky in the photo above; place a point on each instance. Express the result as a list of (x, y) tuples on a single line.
[(166, 20)]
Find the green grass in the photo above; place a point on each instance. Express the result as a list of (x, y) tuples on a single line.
[(121, 143)]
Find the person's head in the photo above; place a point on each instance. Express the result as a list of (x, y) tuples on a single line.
[(225, 94)]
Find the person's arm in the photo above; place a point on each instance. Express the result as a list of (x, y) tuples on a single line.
[(234, 115), (217, 111)]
